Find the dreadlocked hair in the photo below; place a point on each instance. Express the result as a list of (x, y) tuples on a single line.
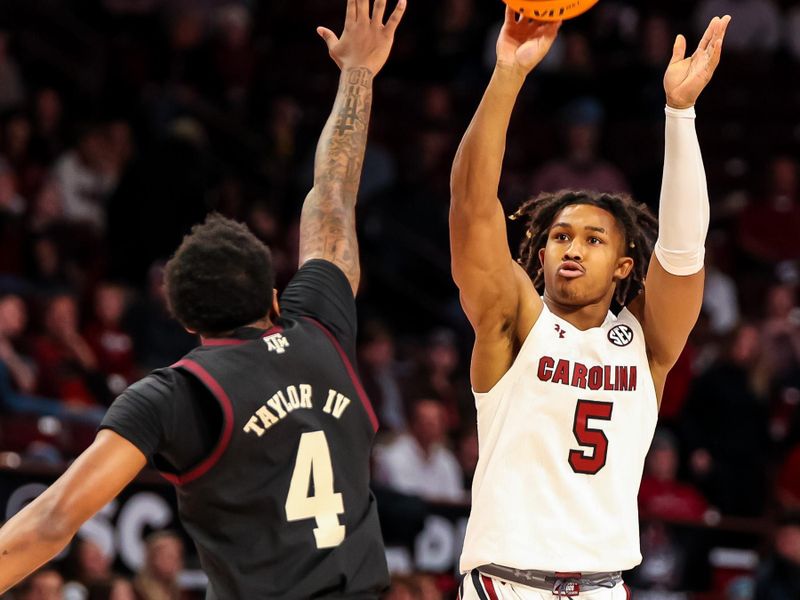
[(636, 220)]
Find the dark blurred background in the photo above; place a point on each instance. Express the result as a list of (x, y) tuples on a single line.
[(123, 122)]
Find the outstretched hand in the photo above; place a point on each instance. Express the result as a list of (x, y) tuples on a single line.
[(686, 78), (524, 42), (366, 40)]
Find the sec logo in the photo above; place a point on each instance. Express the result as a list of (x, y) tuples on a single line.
[(620, 335)]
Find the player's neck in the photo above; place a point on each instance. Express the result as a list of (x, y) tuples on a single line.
[(581, 317), (265, 323)]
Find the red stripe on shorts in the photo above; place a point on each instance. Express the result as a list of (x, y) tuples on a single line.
[(489, 585)]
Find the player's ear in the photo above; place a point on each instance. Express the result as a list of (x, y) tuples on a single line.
[(624, 268), (275, 310), (541, 257)]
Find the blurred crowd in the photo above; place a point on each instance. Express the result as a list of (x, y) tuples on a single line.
[(123, 122)]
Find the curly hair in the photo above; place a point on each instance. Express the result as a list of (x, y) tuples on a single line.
[(220, 278), (635, 219)]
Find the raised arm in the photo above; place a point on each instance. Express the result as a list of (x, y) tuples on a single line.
[(328, 223), (490, 283), (674, 285), (43, 528)]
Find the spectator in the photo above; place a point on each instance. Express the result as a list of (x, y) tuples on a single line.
[(159, 340), (44, 584), (12, 209), (158, 580), (438, 377), (86, 177), (379, 373), (723, 409), (68, 366), (768, 227), (581, 168), (117, 588), (91, 565), (661, 495), (18, 375), (779, 578), (48, 127), (13, 322), (756, 24), (110, 342), (788, 484), (419, 463), (234, 57), (720, 297), (12, 89)]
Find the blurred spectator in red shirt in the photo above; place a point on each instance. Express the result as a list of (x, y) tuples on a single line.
[(110, 342), (67, 364), (661, 495), (768, 227), (788, 485)]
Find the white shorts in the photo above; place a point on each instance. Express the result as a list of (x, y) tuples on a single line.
[(477, 586)]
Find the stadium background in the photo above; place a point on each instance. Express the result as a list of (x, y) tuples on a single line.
[(123, 122)]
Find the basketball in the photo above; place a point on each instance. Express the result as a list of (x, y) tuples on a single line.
[(551, 10)]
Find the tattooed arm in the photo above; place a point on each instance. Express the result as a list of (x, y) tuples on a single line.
[(327, 223)]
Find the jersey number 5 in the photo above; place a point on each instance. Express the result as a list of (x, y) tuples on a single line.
[(595, 439), (314, 461)]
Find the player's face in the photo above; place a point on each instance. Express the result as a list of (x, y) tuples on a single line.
[(584, 257)]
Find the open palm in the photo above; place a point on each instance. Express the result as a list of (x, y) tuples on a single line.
[(687, 77), (523, 42)]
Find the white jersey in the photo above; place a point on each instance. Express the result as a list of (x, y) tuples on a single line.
[(563, 437)]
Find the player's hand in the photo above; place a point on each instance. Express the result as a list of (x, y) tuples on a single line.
[(366, 40), (523, 42), (687, 77)]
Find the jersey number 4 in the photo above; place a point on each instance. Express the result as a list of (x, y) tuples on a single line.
[(314, 463), (590, 438)]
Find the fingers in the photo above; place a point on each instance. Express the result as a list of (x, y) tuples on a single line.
[(722, 27), (351, 16), (678, 50), (328, 36), (708, 36), (511, 16), (397, 16), (378, 9), (362, 10)]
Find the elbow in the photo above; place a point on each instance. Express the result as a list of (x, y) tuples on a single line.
[(57, 524)]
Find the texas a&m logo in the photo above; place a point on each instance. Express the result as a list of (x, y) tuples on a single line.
[(620, 335), (276, 343)]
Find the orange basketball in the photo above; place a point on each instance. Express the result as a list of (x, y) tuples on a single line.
[(551, 10)]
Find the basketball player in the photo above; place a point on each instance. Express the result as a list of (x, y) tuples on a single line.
[(567, 393), (265, 429)]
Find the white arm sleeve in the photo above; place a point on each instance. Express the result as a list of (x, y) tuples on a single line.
[(683, 214)]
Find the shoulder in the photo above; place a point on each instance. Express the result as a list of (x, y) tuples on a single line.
[(161, 383)]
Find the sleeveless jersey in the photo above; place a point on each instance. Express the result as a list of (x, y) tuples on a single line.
[(563, 437), (282, 506)]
